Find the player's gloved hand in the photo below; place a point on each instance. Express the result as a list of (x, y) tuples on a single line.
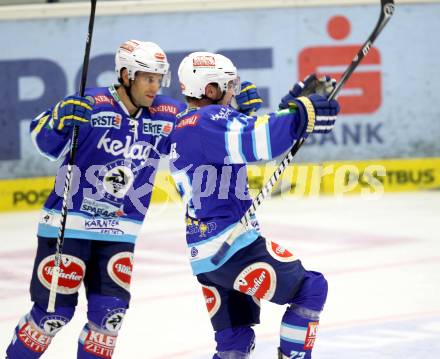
[(317, 114), (69, 112), (322, 86), (249, 100)]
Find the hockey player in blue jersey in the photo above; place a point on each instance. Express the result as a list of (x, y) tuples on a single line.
[(124, 130), (210, 147)]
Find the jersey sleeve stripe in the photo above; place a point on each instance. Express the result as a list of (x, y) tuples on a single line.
[(261, 142), (233, 141)]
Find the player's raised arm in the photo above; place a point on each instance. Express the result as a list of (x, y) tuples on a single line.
[(226, 132), (51, 130)]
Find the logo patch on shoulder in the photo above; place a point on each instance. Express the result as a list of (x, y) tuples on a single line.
[(212, 299), (258, 279), (102, 99), (189, 121), (164, 108)]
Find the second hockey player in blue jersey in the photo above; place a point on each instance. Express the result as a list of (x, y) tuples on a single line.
[(211, 145)]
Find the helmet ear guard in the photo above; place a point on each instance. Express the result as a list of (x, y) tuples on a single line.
[(199, 69), (137, 56)]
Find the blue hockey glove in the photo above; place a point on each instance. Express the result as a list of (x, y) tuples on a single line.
[(69, 112), (249, 100), (322, 86), (317, 114)]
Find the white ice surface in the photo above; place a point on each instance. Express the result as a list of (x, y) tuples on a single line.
[(380, 256)]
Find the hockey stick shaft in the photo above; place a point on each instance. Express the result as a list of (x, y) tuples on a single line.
[(387, 10), (68, 179)]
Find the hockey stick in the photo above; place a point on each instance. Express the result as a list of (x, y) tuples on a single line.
[(387, 10), (67, 182)]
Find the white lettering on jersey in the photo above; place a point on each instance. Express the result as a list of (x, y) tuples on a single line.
[(136, 151), (173, 151), (156, 128), (223, 114), (107, 119)]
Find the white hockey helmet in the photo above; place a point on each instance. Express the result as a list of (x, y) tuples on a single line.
[(137, 56), (199, 69)]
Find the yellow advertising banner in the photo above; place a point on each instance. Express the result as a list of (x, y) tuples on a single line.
[(378, 176), (24, 194)]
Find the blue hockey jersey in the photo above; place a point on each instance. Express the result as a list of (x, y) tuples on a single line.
[(115, 166), (210, 147)]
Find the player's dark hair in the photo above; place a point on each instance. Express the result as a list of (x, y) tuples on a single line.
[(120, 77), (190, 98)]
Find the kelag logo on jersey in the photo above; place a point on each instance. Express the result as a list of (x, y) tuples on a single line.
[(156, 128), (107, 120)]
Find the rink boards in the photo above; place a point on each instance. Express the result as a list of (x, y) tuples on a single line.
[(372, 177)]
